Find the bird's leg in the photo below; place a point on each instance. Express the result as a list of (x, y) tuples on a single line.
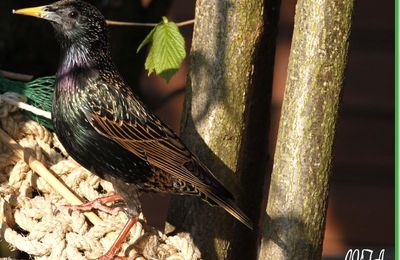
[(118, 242), (98, 204)]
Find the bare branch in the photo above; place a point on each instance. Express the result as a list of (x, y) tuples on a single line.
[(121, 23), (15, 76)]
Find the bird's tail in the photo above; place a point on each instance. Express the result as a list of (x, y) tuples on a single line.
[(228, 204), (216, 194)]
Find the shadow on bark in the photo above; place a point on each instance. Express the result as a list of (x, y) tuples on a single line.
[(285, 225)]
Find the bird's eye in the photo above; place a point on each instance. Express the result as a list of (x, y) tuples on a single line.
[(73, 14)]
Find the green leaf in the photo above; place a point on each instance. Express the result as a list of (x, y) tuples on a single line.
[(167, 49), (150, 64), (147, 40)]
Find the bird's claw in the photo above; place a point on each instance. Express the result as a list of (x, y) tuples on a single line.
[(103, 257), (90, 206), (96, 204)]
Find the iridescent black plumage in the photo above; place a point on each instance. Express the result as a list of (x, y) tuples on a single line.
[(107, 129)]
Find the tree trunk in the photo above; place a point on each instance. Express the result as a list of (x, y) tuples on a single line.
[(226, 119), (298, 193)]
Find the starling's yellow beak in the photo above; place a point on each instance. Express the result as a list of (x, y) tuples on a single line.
[(48, 12), (40, 11)]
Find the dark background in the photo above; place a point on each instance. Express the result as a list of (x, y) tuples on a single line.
[(361, 204)]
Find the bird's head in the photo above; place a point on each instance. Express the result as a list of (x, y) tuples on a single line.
[(73, 20)]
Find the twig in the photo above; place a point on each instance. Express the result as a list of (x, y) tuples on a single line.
[(120, 23), (40, 169), (27, 107), (188, 22), (15, 76)]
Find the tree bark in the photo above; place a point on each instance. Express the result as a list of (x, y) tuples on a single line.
[(298, 194), (226, 119)]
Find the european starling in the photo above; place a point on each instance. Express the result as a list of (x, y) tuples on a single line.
[(105, 127)]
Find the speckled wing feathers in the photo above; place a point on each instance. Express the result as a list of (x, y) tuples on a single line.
[(150, 141)]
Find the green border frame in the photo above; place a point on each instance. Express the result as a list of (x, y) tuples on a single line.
[(396, 102)]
